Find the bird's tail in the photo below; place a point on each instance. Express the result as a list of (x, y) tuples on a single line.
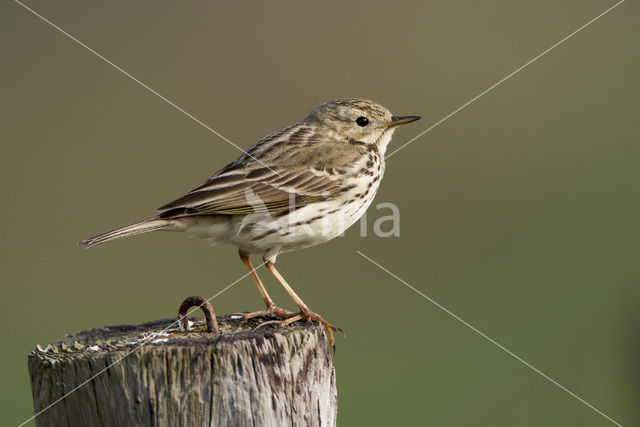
[(151, 224)]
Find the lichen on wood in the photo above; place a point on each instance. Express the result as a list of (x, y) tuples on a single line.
[(155, 374)]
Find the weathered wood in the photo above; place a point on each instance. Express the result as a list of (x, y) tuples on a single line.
[(267, 376)]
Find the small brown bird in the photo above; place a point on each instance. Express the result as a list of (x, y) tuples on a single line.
[(298, 187)]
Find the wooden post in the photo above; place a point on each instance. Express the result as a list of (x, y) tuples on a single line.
[(156, 375)]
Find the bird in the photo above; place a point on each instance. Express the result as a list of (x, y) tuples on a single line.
[(298, 187)]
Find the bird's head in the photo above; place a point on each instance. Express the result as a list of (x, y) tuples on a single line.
[(358, 119)]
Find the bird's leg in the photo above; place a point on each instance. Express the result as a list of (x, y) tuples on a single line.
[(272, 308), (305, 312)]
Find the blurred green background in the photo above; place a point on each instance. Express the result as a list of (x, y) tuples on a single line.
[(519, 213)]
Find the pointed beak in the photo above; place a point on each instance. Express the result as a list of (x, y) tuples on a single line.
[(396, 120)]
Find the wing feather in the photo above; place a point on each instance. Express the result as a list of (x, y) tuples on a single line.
[(270, 193), (290, 178)]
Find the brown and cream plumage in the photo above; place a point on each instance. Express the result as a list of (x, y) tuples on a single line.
[(296, 188)]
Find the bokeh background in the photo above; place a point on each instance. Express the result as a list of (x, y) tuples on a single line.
[(519, 213)]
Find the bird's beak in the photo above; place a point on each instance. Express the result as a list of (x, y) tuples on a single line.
[(396, 120)]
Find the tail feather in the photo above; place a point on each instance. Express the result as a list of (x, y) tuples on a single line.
[(145, 226)]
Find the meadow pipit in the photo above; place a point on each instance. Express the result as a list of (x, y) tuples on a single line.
[(298, 187)]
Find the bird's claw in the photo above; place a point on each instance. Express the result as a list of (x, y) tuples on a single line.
[(290, 317), (272, 310), (310, 316)]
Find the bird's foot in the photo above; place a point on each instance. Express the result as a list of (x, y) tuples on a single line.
[(272, 310), (310, 316)]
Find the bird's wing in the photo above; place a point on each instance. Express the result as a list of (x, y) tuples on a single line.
[(300, 175), (258, 190)]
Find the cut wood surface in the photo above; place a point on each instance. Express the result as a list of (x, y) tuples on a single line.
[(155, 374)]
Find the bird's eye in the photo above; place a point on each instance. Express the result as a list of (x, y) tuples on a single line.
[(362, 121)]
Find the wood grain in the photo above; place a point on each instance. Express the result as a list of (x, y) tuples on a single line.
[(154, 374)]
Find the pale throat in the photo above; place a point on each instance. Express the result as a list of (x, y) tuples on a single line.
[(384, 141)]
